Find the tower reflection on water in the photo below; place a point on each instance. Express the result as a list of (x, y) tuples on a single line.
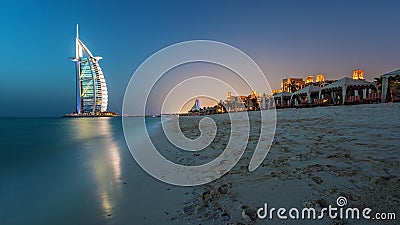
[(106, 163)]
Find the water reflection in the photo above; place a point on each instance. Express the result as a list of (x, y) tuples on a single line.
[(105, 164)]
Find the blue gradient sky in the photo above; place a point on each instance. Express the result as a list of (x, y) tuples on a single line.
[(286, 38)]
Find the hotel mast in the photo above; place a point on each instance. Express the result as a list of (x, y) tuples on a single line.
[(91, 88)]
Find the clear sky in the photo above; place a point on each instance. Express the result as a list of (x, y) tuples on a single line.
[(286, 38)]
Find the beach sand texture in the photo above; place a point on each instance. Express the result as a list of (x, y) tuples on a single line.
[(318, 154)]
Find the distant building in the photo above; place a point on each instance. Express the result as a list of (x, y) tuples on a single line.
[(197, 110), (276, 91), (263, 102), (324, 83), (196, 107), (320, 80), (309, 79), (292, 84), (252, 102), (91, 88), (233, 103), (319, 77), (242, 102), (358, 74)]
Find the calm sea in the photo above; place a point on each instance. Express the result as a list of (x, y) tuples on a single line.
[(76, 171)]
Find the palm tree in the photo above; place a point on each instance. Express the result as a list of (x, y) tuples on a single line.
[(256, 106), (221, 108), (378, 82), (293, 87)]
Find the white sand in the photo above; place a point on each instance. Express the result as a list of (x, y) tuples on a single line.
[(318, 154)]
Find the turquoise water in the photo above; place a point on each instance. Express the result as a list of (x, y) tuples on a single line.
[(76, 171)]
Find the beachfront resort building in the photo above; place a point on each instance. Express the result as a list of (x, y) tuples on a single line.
[(358, 74), (309, 79), (91, 88), (292, 84), (196, 107), (319, 78), (276, 91), (197, 110), (251, 102), (233, 103)]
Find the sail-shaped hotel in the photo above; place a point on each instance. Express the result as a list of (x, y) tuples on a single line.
[(91, 88)]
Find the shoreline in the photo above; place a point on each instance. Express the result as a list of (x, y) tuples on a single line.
[(317, 155)]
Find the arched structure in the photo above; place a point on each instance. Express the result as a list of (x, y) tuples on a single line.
[(91, 88)]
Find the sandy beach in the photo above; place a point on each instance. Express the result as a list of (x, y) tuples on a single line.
[(318, 154)]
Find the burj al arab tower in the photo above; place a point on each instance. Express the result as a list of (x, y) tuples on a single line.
[(91, 88)]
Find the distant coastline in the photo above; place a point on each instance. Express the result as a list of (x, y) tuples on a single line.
[(102, 114)]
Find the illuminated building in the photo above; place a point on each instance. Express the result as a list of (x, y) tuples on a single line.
[(233, 103), (319, 78), (91, 88), (358, 74), (292, 84), (252, 101), (263, 102), (196, 107), (309, 79)]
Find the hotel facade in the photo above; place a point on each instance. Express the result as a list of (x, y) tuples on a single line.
[(91, 87)]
